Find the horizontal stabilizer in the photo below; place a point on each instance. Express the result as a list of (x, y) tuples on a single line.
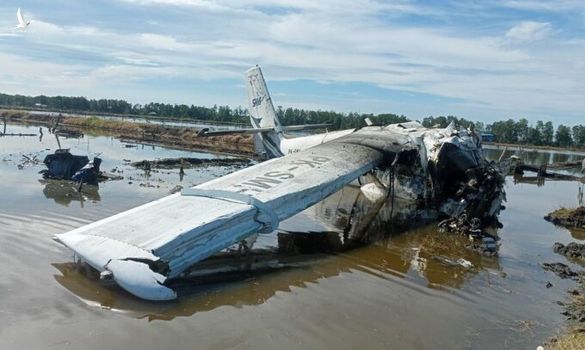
[(206, 132)]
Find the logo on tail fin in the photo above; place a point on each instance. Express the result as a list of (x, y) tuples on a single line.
[(257, 101)]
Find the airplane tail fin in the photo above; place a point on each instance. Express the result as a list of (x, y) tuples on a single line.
[(263, 115)]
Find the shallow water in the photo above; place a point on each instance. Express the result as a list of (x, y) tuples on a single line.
[(399, 291)]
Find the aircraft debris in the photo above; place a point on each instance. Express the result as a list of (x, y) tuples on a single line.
[(62, 165), (439, 172), (432, 166)]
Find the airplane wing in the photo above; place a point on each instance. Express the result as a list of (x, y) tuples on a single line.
[(207, 132), (142, 248)]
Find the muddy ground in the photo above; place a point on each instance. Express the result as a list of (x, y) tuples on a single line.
[(574, 308), (569, 218), (175, 163), (169, 136)]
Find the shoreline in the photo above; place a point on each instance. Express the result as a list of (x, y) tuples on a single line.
[(178, 137), (520, 147)]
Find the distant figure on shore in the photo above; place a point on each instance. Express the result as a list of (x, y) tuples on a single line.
[(22, 24)]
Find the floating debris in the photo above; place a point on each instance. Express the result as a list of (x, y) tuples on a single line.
[(62, 165)]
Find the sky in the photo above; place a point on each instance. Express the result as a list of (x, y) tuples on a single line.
[(482, 60)]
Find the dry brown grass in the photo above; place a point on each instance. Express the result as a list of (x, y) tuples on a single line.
[(153, 133), (573, 340)]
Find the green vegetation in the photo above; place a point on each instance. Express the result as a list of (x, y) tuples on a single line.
[(521, 132), (507, 131)]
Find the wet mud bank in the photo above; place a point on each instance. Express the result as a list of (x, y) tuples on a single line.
[(574, 307), (573, 250), (569, 218), (186, 138), (174, 163)]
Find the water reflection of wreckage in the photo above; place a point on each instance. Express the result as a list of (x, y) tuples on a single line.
[(65, 192), (149, 248)]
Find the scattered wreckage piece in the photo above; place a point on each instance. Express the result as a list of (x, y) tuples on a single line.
[(62, 165), (542, 172), (576, 164), (17, 134), (68, 133), (145, 248)]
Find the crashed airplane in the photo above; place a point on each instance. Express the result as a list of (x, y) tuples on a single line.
[(144, 249)]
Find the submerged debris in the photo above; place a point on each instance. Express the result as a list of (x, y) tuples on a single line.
[(480, 240), (568, 217), (169, 163)]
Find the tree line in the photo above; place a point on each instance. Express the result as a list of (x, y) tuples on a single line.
[(520, 131), (507, 131)]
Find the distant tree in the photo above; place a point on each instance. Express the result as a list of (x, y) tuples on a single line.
[(548, 134), (579, 136), (534, 136), (563, 136), (522, 130), (505, 131), (479, 126)]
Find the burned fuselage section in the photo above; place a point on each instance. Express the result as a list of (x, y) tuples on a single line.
[(442, 175)]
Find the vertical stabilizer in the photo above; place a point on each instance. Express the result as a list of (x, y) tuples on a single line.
[(262, 113)]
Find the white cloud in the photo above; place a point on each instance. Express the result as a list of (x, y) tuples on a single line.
[(545, 5), (529, 31), (342, 41)]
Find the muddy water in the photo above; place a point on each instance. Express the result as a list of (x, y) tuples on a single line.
[(403, 290)]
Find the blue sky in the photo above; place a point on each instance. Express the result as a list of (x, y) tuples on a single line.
[(483, 60)]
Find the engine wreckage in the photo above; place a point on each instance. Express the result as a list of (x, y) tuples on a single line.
[(442, 171)]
